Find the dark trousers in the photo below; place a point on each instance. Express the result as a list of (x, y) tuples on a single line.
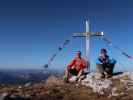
[(105, 68)]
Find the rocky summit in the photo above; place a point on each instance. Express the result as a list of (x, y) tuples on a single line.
[(119, 87)]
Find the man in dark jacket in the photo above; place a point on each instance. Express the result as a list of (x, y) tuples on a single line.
[(104, 64)]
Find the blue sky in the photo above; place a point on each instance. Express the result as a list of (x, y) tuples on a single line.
[(31, 30)]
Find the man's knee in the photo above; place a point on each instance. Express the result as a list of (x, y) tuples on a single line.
[(68, 68)]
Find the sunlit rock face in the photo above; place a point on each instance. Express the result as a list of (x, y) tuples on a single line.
[(97, 85), (115, 86)]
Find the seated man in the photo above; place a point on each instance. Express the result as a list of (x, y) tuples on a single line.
[(76, 67), (104, 64)]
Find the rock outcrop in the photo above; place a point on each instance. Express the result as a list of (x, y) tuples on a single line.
[(119, 87)]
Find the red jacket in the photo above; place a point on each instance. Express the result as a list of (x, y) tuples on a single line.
[(78, 64)]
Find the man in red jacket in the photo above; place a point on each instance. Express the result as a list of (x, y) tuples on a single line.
[(76, 67)]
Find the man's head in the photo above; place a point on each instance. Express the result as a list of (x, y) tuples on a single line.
[(78, 54), (103, 53)]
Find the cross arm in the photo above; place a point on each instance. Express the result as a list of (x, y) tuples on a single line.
[(97, 34), (87, 34), (79, 34)]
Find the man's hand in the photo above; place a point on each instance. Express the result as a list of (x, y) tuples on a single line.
[(102, 56)]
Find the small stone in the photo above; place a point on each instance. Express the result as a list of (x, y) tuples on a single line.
[(27, 84), (3, 96), (20, 87)]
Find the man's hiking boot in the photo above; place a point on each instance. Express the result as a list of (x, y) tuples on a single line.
[(66, 80)]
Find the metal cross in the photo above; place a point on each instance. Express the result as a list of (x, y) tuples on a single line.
[(88, 34)]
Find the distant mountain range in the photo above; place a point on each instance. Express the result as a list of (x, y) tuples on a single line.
[(25, 75)]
